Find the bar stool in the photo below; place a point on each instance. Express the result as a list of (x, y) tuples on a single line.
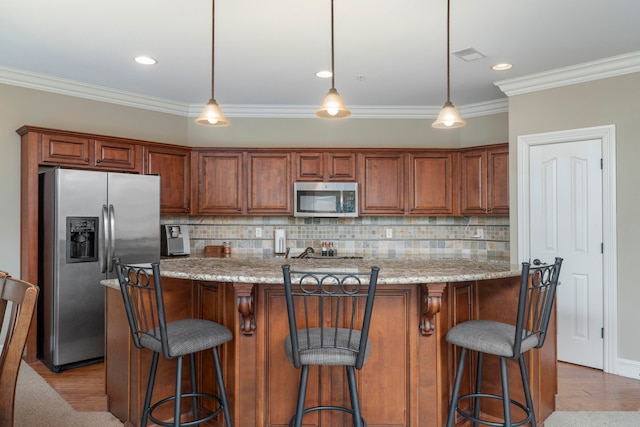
[(538, 285), (141, 288), (333, 330)]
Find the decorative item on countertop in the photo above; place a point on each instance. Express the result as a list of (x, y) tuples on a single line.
[(214, 251), (324, 249), (280, 242), (227, 249)]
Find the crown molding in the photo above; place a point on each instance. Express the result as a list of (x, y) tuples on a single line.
[(581, 73), (77, 89)]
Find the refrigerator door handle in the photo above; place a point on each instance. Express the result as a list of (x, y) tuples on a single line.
[(104, 239), (112, 238)]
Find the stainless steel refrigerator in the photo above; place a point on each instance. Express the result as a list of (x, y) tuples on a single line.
[(86, 219)]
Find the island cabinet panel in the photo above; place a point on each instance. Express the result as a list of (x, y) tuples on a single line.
[(382, 183), (220, 183), (432, 183), (323, 166), (385, 382), (485, 181), (174, 168), (269, 185)]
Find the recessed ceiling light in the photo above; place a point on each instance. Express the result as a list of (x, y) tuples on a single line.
[(324, 74), (501, 67), (145, 60)]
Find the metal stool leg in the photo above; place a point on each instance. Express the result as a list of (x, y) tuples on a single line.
[(223, 390), (456, 389), (476, 401), (302, 391), (194, 386), (353, 393), (506, 400), (150, 384), (178, 393), (527, 390)]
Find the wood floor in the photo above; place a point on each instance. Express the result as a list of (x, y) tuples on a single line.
[(579, 388)]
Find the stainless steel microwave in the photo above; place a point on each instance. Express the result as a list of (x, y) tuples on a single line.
[(325, 199)]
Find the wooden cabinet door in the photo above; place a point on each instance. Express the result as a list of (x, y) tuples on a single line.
[(66, 150), (174, 168), (474, 180), (309, 166), (322, 166), (340, 167), (114, 155), (485, 181), (220, 183), (382, 184), (269, 185), (498, 181), (431, 183)]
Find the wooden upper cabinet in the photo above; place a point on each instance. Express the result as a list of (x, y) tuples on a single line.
[(77, 151), (432, 183), (382, 183), (269, 183), (323, 166), (174, 168), (114, 155), (219, 177), (485, 181)]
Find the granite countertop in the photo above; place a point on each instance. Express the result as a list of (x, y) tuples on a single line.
[(392, 271)]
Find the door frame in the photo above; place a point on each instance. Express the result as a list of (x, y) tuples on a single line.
[(607, 135)]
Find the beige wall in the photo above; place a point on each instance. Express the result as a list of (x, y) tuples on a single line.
[(603, 102)]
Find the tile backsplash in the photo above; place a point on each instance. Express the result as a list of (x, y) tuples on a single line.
[(482, 238)]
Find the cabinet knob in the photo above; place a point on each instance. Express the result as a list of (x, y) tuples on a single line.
[(98, 161), (320, 176), (86, 160)]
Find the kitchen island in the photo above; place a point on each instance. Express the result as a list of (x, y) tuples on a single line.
[(407, 379)]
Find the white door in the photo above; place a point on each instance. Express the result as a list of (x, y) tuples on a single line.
[(565, 210)]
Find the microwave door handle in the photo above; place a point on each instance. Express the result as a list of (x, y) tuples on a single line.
[(104, 239), (112, 238)]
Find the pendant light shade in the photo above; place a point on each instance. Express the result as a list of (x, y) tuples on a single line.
[(212, 114), (449, 117), (332, 107)]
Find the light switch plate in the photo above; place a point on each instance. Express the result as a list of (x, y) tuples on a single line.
[(389, 233)]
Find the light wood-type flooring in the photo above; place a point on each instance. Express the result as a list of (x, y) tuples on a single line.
[(579, 388)]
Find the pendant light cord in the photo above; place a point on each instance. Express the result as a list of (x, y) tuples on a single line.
[(448, 54), (333, 75), (213, 39)]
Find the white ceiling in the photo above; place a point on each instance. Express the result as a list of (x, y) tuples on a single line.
[(267, 51)]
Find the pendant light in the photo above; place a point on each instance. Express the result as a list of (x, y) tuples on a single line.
[(212, 114), (449, 117), (333, 107)]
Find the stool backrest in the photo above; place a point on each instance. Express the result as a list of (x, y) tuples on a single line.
[(143, 301), (538, 284), (330, 300)]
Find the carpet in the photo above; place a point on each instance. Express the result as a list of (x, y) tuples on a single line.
[(39, 405), (593, 419)]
